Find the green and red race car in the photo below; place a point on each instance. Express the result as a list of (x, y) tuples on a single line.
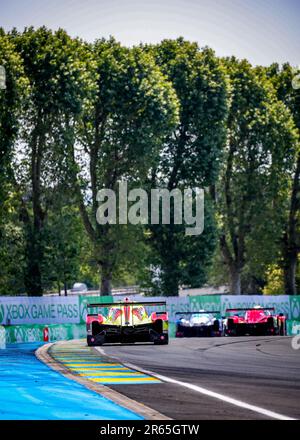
[(127, 322)]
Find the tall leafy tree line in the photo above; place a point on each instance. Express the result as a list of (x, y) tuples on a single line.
[(78, 117)]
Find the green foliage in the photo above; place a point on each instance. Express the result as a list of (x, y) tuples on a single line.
[(274, 276), (282, 78), (11, 100), (121, 133), (179, 259), (11, 104), (11, 96), (190, 157), (63, 236), (59, 85), (12, 249), (136, 103), (193, 151), (78, 117), (255, 179), (286, 83)]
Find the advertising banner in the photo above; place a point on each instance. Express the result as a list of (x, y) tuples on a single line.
[(86, 299), (25, 317), (41, 310), (293, 327), (281, 303), (2, 338), (34, 333), (295, 307), (174, 304), (205, 302)]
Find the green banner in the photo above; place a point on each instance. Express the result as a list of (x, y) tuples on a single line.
[(34, 333), (293, 327), (295, 307), (205, 302), (87, 299)]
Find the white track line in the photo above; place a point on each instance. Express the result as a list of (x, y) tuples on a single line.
[(206, 392)]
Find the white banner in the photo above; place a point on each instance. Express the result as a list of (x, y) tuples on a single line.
[(281, 303), (39, 310), (174, 303)]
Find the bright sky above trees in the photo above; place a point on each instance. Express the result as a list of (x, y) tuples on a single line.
[(263, 31)]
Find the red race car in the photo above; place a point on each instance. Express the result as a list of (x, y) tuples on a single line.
[(254, 321)]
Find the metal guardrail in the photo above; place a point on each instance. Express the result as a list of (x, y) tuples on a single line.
[(126, 290)]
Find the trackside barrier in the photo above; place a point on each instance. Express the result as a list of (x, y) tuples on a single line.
[(19, 310), (2, 338), (36, 333), (293, 327), (25, 318)]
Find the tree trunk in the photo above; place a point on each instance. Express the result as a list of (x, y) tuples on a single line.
[(289, 272), (290, 239), (65, 288), (234, 266), (170, 261), (235, 281), (33, 276), (106, 278), (170, 280)]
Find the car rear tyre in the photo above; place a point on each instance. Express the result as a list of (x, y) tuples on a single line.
[(90, 341), (281, 327), (231, 328), (164, 341), (95, 341)]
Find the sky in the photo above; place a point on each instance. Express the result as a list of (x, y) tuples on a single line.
[(263, 31)]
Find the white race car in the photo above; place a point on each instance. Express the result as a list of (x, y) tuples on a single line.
[(202, 323)]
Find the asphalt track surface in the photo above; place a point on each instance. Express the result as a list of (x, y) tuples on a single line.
[(29, 390), (260, 371)]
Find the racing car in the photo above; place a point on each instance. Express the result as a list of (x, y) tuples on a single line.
[(202, 323), (254, 321), (127, 322)]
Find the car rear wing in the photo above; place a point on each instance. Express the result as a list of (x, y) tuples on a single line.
[(244, 309), (126, 304), (212, 312)]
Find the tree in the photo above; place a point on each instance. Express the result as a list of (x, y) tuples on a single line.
[(260, 150), (120, 136), (288, 91), (190, 157), (11, 98), (64, 237), (178, 259), (12, 247), (55, 66), (10, 101), (12, 94)]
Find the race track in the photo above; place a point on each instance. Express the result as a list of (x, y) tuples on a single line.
[(263, 372), (29, 390)]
